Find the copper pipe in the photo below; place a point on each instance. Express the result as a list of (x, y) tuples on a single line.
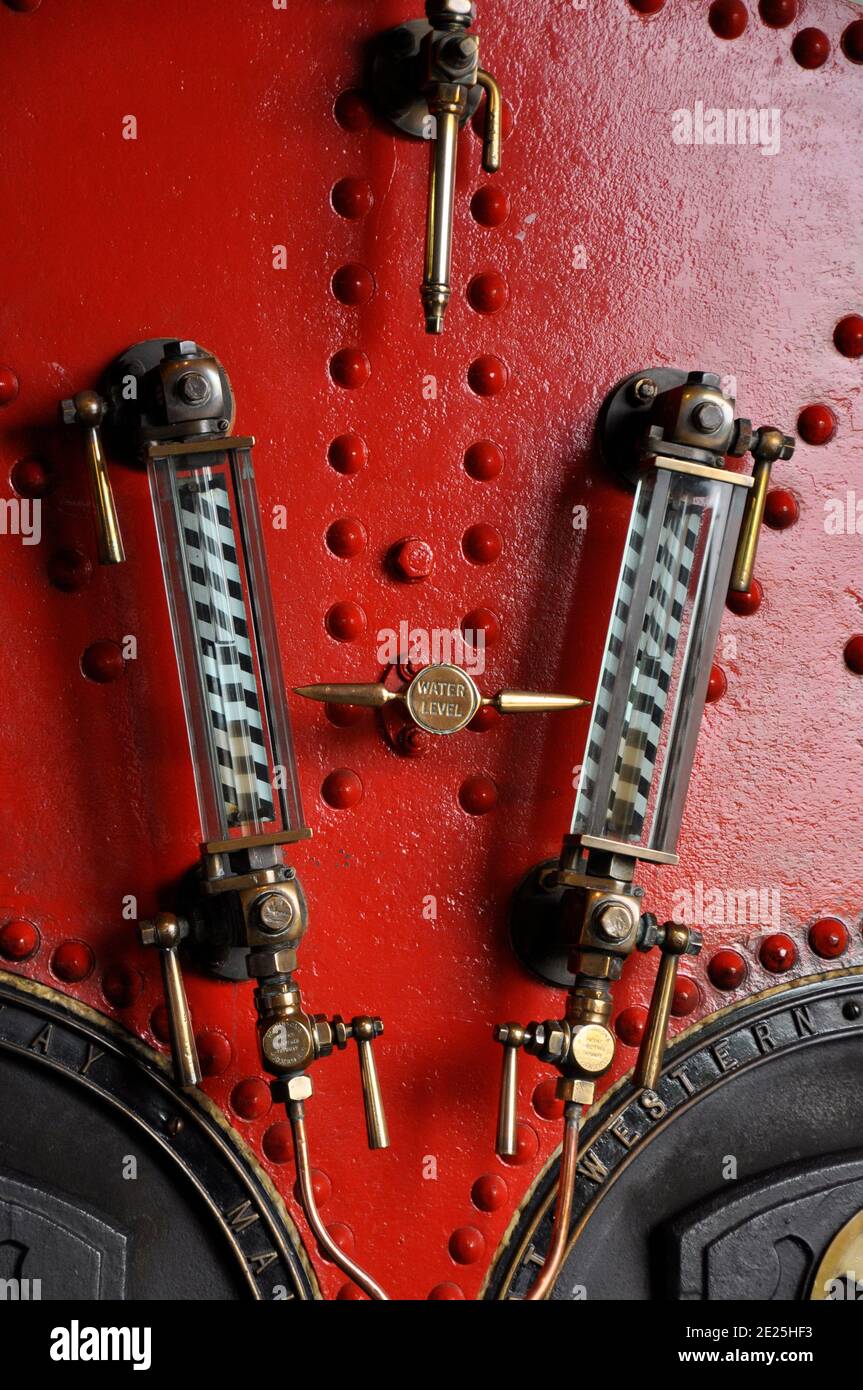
[(365, 1281), (565, 1189)]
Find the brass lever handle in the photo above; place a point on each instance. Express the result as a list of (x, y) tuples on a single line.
[(364, 1030), (87, 409), (441, 699), (768, 445), (511, 1036), (492, 125), (678, 941), (166, 932)]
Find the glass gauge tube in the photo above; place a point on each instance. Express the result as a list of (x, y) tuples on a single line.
[(656, 666), (214, 567)]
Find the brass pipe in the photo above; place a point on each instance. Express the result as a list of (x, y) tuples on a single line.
[(187, 1068), (750, 528), (491, 129), (109, 538), (505, 1144), (296, 1114), (544, 1283), (447, 104)]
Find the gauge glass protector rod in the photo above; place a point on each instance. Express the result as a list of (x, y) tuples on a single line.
[(208, 523), (658, 653)]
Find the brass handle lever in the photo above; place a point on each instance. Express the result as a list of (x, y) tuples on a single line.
[(166, 932), (87, 409), (677, 941), (364, 1030), (441, 699), (511, 1036), (768, 445)]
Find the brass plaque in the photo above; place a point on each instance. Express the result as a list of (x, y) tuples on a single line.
[(442, 699)]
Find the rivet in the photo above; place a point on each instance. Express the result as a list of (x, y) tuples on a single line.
[(487, 375), (32, 477), (8, 385), (342, 789), (630, 1025), (811, 48), (485, 718), (160, 1025), (526, 1146), (251, 1099), (346, 537), (647, 7), (70, 569), (466, 1245), (103, 662), (848, 335), (477, 795), (444, 1291), (277, 1143), (777, 14), (483, 460), (19, 939), (352, 284), (727, 969), (717, 684), (854, 654), (489, 206), (413, 742), (745, 604), (489, 1192), (829, 938), (345, 621), (481, 544), (781, 509), (214, 1052), (72, 961), (852, 41), (411, 559), (544, 1100), (816, 423), (728, 18), (321, 1187), (686, 996), (350, 1293), (122, 986), (343, 716), (777, 953), (852, 1010), (481, 620), (347, 453), (343, 1236), (488, 293), (350, 368), (352, 110), (352, 198)]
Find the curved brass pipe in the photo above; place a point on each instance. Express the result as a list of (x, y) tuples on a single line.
[(491, 130), (565, 1190), (365, 1281)]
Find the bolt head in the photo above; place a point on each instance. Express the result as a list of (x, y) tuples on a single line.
[(614, 922), (708, 417), (275, 912), (193, 388), (645, 389)]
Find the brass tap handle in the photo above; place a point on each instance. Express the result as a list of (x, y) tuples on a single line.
[(768, 445), (677, 941), (364, 1030), (491, 128), (87, 409), (166, 932), (532, 702), (441, 699), (511, 1036)]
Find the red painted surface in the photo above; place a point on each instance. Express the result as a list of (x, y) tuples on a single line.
[(694, 256)]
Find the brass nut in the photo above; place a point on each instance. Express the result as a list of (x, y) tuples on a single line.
[(299, 1087), (277, 960), (580, 1092)]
